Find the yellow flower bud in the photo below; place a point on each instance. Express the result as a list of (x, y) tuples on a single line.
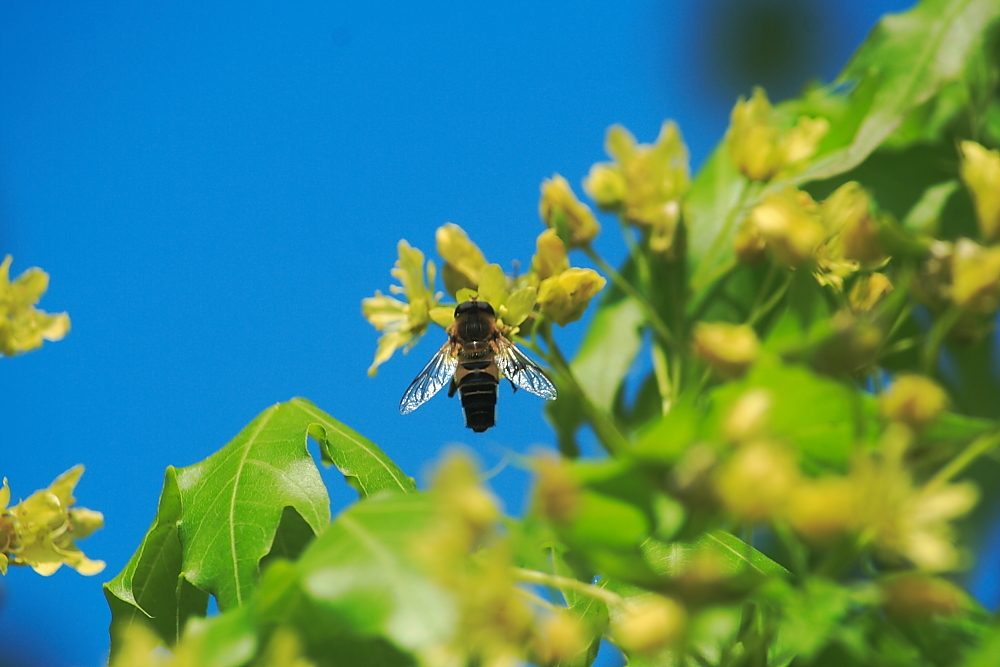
[(847, 214), (821, 510), (606, 186), (648, 623), (975, 277), (22, 326), (559, 205), (750, 245), (463, 260), (565, 297), (868, 291), (749, 417), (556, 494), (550, 255), (562, 639), (914, 400), (518, 307), (755, 482), (789, 222), (916, 597), (729, 349), (981, 174), (759, 148)]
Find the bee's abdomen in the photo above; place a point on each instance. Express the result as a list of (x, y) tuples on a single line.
[(479, 396)]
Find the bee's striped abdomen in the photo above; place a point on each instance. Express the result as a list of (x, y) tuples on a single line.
[(478, 389)]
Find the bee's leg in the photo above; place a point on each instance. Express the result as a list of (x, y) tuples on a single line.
[(452, 387), (512, 385)]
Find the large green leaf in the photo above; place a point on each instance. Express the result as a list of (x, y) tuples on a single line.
[(217, 519)]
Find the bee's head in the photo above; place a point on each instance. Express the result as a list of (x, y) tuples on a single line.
[(474, 305)]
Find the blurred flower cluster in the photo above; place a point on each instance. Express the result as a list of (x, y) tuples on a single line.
[(41, 531), (22, 326)]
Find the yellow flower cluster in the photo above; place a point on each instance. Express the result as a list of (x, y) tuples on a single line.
[(836, 237), (645, 183), (553, 288), (878, 502), (22, 326), (41, 530), (761, 148)]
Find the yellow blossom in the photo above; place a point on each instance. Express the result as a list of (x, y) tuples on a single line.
[(40, 531), (822, 509), (511, 308), (564, 298), (851, 225), (868, 291), (975, 275), (558, 206), (789, 223), (913, 596), (761, 149), (648, 623), (729, 349), (22, 326), (914, 400), (550, 255), (755, 482), (403, 322), (645, 183), (981, 173), (463, 260), (556, 494), (562, 640), (749, 417)]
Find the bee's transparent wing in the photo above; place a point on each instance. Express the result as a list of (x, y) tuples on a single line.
[(435, 375), (522, 371)]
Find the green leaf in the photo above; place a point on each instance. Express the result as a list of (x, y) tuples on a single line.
[(217, 519), (925, 215), (363, 571), (731, 555)]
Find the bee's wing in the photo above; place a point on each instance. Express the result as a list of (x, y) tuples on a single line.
[(522, 371), (435, 375)]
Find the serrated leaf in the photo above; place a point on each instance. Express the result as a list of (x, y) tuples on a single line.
[(218, 518)]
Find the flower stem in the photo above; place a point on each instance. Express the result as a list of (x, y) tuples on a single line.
[(939, 330), (569, 584), (978, 447)]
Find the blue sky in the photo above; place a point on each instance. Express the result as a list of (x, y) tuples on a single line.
[(213, 188)]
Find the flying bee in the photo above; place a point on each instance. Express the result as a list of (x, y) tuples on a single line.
[(472, 362)]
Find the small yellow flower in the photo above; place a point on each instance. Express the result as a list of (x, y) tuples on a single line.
[(550, 255), (851, 226), (790, 224), (556, 494), (648, 623), (914, 400), (22, 326), (729, 349), (975, 272), (645, 183), (562, 639), (759, 148), (749, 417), (463, 260), (512, 308), (41, 530), (868, 291), (563, 298), (821, 510), (981, 173), (403, 322), (756, 481), (558, 206)]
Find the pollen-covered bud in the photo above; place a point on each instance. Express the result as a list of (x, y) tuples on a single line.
[(728, 349), (981, 173), (749, 417), (559, 206), (648, 623), (822, 509), (975, 273), (606, 186), (463, 260), (759, 148), (550, 255), (561, 639), (913, 400), (565, 297), (789, 222), (755, 482), (868, 291), (848, 213), (556, 494)]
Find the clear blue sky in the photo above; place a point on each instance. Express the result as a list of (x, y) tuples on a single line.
[(214, 187)]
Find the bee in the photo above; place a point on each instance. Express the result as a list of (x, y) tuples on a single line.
[(472, 362)]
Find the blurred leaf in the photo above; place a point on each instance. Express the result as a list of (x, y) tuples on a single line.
[(987, 653), (218, 518), (925, 215), (363, 571), (728, 553), (226, 640), (668, 438), (823, 418)]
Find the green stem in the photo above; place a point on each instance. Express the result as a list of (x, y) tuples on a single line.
[(765, 308), (978, 447), (659, 326), (569, 584), (939, 330)]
